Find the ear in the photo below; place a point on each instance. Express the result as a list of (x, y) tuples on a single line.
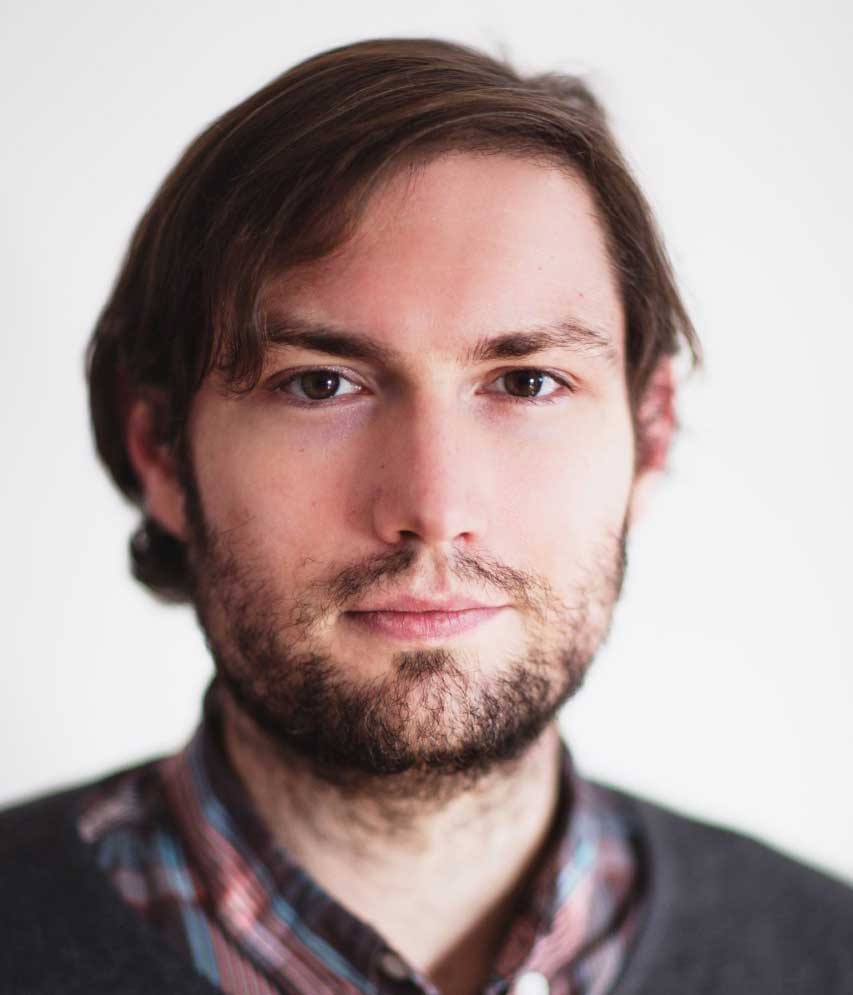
[(655, 424), (155, 465)]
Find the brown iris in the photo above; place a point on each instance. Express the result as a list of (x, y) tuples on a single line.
[(320, 385), (527, 382)]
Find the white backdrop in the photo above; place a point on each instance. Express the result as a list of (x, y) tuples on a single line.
[(726, 687)]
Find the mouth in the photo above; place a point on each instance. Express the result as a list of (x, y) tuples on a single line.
[(421, 625)]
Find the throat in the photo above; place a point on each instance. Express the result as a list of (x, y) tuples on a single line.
[(387, 858)]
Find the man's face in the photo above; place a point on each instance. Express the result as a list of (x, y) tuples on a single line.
[(342, 483)]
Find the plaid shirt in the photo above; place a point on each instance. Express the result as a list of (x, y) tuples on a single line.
[(179, 840)]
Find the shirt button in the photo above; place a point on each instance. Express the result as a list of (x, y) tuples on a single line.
[(531, 983), (392, 966)]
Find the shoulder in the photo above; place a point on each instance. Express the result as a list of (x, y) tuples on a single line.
[(726, 912), (723, 862), (57, 818), (29, 826), (62, 925), (45, 840)]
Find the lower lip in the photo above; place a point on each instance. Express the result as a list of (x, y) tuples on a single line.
[(422, 625)]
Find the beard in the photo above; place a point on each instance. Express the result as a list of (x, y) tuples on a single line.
[(438, 719)]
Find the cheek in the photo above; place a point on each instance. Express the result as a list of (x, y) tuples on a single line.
[(282, 501), (565, 507)]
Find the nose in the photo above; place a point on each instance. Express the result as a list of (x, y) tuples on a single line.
[(430, 476)]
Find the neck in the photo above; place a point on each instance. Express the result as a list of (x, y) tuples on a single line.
[(374, 850)]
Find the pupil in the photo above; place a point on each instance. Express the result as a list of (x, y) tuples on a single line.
[(320, 385), (529, 382)]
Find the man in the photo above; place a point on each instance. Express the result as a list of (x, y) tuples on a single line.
[(388, 370)]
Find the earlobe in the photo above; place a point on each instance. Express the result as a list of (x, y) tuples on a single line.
[(655, 427), (156, 468)]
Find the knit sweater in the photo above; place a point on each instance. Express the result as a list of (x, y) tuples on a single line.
[(725, 915)]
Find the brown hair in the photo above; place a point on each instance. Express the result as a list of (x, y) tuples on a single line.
[(282, 178)]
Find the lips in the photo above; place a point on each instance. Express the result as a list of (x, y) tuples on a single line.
[(430, 624)]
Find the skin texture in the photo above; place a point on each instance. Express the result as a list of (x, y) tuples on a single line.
[(421, 761)]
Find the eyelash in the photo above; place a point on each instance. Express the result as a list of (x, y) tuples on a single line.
[(278, 386)]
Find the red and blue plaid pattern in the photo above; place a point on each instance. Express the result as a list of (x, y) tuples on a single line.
[(179, 840)]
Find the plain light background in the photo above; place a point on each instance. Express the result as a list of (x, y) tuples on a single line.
[(726, 687)]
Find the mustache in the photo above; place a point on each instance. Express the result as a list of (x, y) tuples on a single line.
[(409, 565)]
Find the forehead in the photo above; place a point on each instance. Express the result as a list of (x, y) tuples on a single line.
[(461, 247)]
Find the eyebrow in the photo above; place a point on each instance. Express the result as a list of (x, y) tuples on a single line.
[(569, 335)]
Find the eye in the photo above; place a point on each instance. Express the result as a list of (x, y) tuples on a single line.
[(316, 385), (526, 385)]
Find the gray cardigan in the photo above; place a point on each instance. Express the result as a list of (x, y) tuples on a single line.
[(725, 916)]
